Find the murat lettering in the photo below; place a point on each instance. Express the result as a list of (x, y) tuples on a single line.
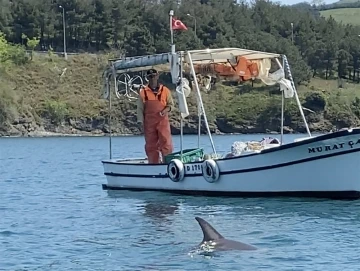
[(326, 148), (334, 147)]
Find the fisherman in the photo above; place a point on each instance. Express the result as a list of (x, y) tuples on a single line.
[(154, 104)]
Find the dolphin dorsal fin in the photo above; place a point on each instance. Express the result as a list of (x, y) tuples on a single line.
[(209, 232)]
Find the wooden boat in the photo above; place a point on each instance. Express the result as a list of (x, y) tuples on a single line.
[(315, 166)]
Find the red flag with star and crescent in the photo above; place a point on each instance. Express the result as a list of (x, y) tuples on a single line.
[(177, 25)]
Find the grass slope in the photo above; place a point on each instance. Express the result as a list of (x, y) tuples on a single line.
[(346, 1), (38, 91), (344, 15)]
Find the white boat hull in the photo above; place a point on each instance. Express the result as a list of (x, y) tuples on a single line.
[(323, 166)]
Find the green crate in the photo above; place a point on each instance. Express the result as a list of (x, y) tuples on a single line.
[(187, 156)]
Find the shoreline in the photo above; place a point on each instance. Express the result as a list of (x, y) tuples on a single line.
[(27, 127), (89, 134)]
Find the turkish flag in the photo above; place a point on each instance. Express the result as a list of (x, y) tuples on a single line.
[(177, 25)]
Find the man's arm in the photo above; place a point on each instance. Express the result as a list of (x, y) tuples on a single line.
[(140, 110), (169, 101)]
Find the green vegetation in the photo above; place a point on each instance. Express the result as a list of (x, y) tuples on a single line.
[(50, 87), (45, 96), (343, 15), (347, 1), (343, 11), (46, 90), (261, 108)]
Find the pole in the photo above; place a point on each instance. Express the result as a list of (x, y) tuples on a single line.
[(199, 125), (282, 112), (181, 118), (194, 24), (292, 33), (282, 116), (171, 14), (110, 136), (181, 135), (200, 100), (115, 87), (64, 32), (195, 27), (287, 67)]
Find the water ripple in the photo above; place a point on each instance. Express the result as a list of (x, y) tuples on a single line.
[(54, 216)]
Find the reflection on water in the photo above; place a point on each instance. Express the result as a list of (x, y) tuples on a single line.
[(158, 209), (161, 206)]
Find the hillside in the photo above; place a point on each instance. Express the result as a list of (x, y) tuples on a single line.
[(346, 2), (46, 101), (49, 94), (343, 15), (343, 11)]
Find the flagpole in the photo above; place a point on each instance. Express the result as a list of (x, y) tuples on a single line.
[(171, 13)]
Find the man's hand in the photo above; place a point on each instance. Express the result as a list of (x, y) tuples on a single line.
[(164, 111)]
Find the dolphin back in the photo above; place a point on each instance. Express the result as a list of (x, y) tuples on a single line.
[(208, 231)]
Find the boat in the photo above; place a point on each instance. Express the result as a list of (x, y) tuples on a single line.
[(322, 166)]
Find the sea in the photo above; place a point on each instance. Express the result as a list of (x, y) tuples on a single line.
[(54, 215)]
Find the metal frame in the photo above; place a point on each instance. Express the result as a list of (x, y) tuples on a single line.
[(187, 57), (287, 66), (181, 119), (282, 114), (200, 104)]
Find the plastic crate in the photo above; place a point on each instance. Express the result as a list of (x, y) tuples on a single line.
[(188, 155)]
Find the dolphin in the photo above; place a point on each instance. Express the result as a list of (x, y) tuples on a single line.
[(215, 240)]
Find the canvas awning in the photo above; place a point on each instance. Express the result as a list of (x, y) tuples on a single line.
[(223, 54), (161, 61)]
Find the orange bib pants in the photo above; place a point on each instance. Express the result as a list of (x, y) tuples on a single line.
[(157, 130)]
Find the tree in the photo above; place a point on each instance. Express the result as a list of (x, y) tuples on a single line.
[(136, 27), (31, 44), (11, 54), (317, 2)]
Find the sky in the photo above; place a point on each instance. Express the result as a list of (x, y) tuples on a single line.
[(291, 2)]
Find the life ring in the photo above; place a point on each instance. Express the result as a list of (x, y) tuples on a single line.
[(210, 171), (175, 170)]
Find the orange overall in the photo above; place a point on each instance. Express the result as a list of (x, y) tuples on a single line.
[(156, 127)]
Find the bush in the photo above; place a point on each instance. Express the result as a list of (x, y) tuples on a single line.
[(315, 101), (355, 106), (57, 111), (9, 54), (8, 109)]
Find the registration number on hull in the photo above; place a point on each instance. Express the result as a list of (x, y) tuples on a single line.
[(193, 168)]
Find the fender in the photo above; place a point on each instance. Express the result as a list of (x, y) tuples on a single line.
[(176, 170), (210, 171)]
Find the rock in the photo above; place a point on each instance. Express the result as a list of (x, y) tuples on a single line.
[(72, 122), (106, 128), (22, 120), (14, 132), (288, 130)]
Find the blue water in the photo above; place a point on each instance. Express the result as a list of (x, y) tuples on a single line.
[(55, 216)]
